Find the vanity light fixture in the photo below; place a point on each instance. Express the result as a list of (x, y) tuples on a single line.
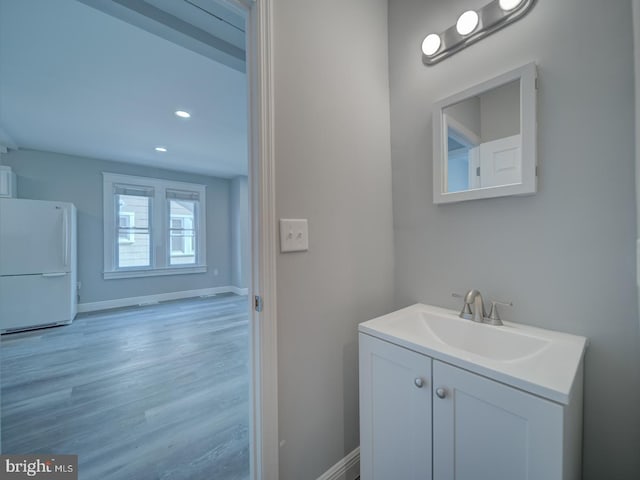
[(471, 26), (508, 5), (431, 44), (161, 149), (182, 114), (467, 22)]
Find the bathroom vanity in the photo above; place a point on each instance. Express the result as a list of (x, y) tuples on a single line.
[(445, 398)]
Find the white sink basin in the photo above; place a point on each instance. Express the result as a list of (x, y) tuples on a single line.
[(503, 344), (544, 362)]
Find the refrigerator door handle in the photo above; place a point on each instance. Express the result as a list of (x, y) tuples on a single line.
[(51, 275), (65, 233)]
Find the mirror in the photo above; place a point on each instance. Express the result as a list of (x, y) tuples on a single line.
[(485, 139)]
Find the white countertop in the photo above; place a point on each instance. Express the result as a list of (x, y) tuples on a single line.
[(547, 367)]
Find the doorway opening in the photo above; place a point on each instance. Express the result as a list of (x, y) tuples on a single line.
[(162, 340)]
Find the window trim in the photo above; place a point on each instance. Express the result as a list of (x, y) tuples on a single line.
[(159, 228)]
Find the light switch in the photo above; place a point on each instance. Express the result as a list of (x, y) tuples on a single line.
[(294, 235)]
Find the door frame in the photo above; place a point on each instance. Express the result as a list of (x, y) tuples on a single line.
[(263, 333)]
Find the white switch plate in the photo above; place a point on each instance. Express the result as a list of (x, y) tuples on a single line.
[(294, 235)]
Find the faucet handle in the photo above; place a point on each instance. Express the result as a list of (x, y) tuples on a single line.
[(466, 312), (494, 316)]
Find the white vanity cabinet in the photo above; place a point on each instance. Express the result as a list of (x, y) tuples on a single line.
[(395, 412), (452, 424)]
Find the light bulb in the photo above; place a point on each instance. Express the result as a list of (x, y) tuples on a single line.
[(508, 5), (431, 44), (467, 22)]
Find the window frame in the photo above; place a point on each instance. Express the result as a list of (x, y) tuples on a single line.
[(159, 228)]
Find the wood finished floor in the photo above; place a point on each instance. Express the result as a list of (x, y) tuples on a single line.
[(147, 393)]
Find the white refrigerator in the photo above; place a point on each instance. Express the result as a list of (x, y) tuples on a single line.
[(38, 264)]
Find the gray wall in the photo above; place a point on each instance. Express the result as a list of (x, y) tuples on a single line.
[(492, 115), (467, 113), (51, 176), (332, 167), (240, 241), (500, 112), (565, 256)]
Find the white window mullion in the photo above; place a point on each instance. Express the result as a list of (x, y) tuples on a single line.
[(109, 230), (167, 228), (159, 227), (201, 228)]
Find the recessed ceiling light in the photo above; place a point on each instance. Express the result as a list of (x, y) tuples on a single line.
[(508, 5), (182, 114), (431, 44), (467, 22), (161, 149)]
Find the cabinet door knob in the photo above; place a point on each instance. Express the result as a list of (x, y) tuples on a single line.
[(441, 392), (418, 382)]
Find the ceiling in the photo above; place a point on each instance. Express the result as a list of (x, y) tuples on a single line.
[(79, 81)]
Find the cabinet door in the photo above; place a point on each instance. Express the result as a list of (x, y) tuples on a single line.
[(484, 430), (395, 412)]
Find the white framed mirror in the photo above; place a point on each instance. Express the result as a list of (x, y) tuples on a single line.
[(484, 139)]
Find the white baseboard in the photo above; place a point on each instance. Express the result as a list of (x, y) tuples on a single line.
[(162, 297), (238, 290), (346, 469)]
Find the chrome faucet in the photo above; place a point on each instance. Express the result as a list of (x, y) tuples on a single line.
[(478, 314)]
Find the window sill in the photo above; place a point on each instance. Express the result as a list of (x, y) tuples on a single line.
[(154, 272)]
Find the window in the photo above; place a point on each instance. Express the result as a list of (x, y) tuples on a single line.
[(183, 234), (125, 221), (152, 227), (133, 214)]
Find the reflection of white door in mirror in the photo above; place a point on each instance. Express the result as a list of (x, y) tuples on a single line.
[(485, 139), (500, 162)]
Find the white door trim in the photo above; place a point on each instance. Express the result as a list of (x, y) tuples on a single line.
[(346, 468), (636, 57), (263, 349)]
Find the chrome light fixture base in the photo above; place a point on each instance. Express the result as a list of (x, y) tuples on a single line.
[(491, 19)]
